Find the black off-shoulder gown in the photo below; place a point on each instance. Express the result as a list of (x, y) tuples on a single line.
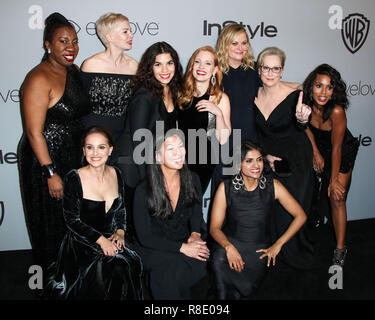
[(82, 270), (282, 136)]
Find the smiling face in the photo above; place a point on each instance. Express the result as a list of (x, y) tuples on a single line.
[(252, 165), (172, 153), (322, 90), (164, 68), (237, 49), (204, 66), (271, 78), (64, 46), (97, 149), (121, 35)]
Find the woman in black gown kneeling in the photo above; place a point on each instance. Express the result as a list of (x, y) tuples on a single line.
[(93, 261), (168, 221), (240, 224)]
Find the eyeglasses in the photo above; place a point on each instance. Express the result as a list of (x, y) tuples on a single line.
[(275, 70)]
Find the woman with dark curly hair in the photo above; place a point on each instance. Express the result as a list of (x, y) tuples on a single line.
[(156, 85), (335, 149), (241, 225)]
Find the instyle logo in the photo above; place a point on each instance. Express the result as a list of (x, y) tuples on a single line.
[(10, 95), (354, 28), (8, 158), (364, 141), (360, 89), (261, 29), (2, 212)]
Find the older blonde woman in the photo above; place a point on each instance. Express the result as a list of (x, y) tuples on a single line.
[(107, 75)]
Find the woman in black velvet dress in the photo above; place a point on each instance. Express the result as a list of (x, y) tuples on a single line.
[(52, 104), (93, 261), (204, 106), (281, 118), (168, 221), (241, 222), (335, 148), (107, 75)]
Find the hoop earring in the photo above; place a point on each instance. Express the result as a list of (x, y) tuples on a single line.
[(262, 181), (213, 80), (238, 182)]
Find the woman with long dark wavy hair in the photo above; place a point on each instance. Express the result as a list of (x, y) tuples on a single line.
[(168, 221), (335, 149), (156, 86), (241, 225)]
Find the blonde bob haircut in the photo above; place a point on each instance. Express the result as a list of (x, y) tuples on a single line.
[(271, 51), (225, 39), (106, 23), (190, 87)]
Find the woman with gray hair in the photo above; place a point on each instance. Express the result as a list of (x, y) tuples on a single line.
[(281, 118), (107, 74)]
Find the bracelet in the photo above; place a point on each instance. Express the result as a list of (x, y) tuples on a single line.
[(48, 170), (302, 121)]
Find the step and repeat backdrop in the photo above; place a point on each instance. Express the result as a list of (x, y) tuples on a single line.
[(340, 33)]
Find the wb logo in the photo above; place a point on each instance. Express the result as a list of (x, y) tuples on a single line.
[(354, 28)]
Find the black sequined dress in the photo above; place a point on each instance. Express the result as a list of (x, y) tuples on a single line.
[(201, 162), (62, 130), (109, 96)]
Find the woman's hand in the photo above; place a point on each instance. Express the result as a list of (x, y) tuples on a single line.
[(318, 162), (195, 236), (107, 246), (55, 186), (118, 239), (206, 105), (302, 110), (271, 253), (195, 249), (234, 258), (271, 160), (336, 190)]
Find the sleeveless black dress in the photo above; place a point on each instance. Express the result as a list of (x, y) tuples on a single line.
[(281, 136), (191, 118), (82, 270), (62, 131), (109, 96), (247, 227)]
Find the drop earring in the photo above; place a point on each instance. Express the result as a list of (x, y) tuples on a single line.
[(213, 80)]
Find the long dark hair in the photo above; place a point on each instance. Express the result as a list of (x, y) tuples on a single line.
[(145, 75), (53, 22), (339, 96), (158, 200)]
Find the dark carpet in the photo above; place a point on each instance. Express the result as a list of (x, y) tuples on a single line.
[(282, 283)]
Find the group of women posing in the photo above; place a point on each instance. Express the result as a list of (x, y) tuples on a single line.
[(156, 206)]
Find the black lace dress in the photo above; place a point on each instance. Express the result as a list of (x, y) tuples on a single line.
[(247, 227), (82, 270), (109, 96), (281, 136), (62, 131), (199, 158)]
